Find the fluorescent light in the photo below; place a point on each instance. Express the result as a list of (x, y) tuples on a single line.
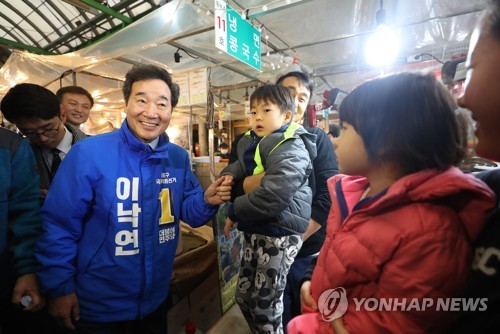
[(382, 46)]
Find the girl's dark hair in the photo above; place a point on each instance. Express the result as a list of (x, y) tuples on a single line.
[(149, 72), (274, 94), (409, 119), (494, 23)]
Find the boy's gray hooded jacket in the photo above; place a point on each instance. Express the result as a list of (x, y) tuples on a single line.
[(283, 198)]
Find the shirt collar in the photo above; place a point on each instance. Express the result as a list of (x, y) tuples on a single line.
[(65, 144), (154, 143)]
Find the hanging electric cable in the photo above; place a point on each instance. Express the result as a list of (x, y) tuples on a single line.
[(417, 57), (177, 55)]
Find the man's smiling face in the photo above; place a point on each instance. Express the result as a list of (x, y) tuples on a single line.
[(149, 109)]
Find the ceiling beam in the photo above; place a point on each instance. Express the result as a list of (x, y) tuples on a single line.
[(91, 24), (106, 10), (21, 46), (27, 20), (15, 25), (66, 20), (273, 7)]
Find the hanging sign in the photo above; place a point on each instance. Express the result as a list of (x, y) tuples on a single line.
[(236, 36)]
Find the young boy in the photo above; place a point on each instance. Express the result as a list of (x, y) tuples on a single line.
[(276, 213)]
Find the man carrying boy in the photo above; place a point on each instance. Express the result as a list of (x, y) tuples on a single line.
[(277, 212), (324, 166)]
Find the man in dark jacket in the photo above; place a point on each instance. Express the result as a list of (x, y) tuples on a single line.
[(37, 114), (21, 226), (20, 299)]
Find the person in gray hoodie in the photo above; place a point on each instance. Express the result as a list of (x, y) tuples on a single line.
[(274, 216)]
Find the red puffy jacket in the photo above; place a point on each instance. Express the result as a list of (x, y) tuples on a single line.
[(412, 241)]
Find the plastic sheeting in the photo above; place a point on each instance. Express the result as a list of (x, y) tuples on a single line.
[(323, 37)]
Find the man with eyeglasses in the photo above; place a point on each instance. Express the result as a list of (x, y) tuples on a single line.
[(36, 112)]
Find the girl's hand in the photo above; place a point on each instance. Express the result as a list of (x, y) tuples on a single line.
[(338, 326), (307, 302)]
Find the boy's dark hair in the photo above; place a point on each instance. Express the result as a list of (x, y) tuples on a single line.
[(494, 23), (274, 94), (223, 145), (28, 101), (149, 72), (302, 77), (74, 90), (406, 118)]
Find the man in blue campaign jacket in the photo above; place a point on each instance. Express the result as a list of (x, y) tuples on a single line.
[(111, 218)]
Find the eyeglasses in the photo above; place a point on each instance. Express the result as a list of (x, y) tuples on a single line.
[(47, 133)]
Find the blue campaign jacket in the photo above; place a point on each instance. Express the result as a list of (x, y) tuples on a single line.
[(111, 224)]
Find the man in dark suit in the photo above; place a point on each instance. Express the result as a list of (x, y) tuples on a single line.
[(36, 112)]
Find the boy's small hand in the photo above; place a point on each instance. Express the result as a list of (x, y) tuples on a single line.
[(224, 189), (219, 191)]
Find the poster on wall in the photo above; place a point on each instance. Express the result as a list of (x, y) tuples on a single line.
[(183, 81), (198, 90), (229, 252)]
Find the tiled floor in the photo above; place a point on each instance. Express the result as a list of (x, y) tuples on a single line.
[(231, 323)]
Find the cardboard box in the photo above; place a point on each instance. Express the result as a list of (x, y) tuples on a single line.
[(202, 306), (202, 172), (205, 303), (177, 316)]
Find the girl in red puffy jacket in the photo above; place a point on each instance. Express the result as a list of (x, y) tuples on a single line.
[(398, 244)]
